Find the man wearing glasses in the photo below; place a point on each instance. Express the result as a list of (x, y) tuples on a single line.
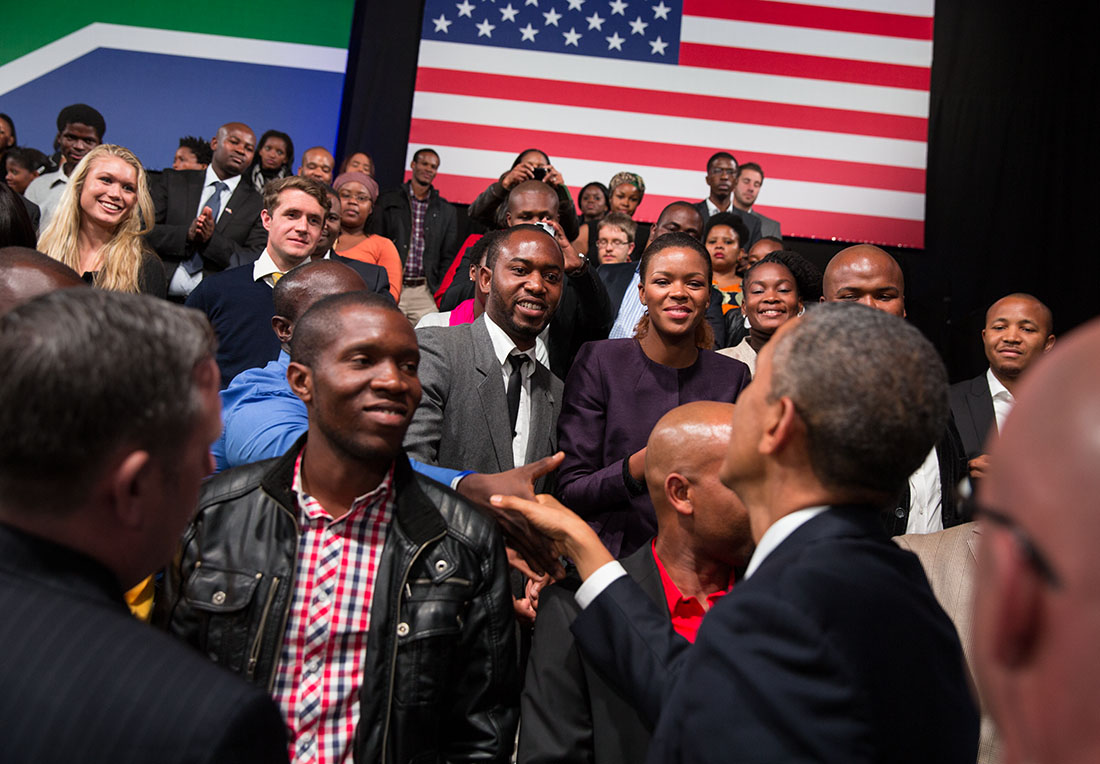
[(1036, 610), (721, 177)]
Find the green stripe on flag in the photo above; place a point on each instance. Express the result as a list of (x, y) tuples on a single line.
[(31, 25)]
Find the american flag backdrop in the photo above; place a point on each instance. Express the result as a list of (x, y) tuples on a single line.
[(830, 97)]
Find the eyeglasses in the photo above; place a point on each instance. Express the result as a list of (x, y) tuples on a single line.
[(611, 244), (348, 196), (1035, 556), (719, 171)]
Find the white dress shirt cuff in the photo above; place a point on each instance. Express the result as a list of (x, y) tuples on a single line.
[(597, 582)]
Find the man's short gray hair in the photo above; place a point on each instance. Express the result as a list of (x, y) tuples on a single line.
[(88, 372), (871, 390)]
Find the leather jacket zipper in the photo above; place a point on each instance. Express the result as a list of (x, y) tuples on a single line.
[(393, 656), (254, 652)]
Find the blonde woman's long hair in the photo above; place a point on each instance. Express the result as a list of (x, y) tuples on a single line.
[(121, 257)]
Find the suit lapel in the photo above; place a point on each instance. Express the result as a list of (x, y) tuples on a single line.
[(194, 191), (981, 408), (235, 199), (490, 389), (540, 441)]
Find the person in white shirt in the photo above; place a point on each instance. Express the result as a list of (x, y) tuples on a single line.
[(1019, 329), (80, 129)]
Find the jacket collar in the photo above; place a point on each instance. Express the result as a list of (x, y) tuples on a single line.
[(432, 192), (416, 515)]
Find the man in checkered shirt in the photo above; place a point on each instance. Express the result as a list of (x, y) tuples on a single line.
[(372, 602)]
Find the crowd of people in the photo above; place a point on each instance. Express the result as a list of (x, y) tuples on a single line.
[(577, 488)]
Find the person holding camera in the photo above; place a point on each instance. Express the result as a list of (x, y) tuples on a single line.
[(531, 164)]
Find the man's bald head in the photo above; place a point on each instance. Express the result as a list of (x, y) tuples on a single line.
[(305, 285), (26, 274), (233, 147), (1037, 607), (531, 201), (317, 163), (678, 217), (683, 455), (868, 275)]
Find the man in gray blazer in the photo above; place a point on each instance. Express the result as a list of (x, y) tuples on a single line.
[(746, 188), (489, 405)]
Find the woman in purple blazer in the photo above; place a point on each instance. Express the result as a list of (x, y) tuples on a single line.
[(618, 389)]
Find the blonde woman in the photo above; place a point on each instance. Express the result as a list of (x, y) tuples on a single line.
[(99, 227)]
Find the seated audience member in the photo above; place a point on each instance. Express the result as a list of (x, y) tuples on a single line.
[(625, 192), (584, 313), (747, 184), (94, 500), (80, 128), (424, 228), (569, 712), (771, 299), (799, 662), (26, 274), (374, 276), (8, 138), (317, 163), (592, 202), (343, 539), (723, 235), (806, 275), (357, 193), (489, 404), (1018, 331), (621, 279), (21, 166), (618, 389), (615, 235), (359, 161), (207, 221), (531, 164), (1035, 626), (274, 159), (869, 276), (193, 154), (99, 225), (16, 229), (949, 558), (238, 301)]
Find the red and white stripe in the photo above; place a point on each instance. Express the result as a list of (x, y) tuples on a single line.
[(830, 98)]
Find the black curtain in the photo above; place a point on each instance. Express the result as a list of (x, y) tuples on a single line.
[(376, 108), (1012, 167)]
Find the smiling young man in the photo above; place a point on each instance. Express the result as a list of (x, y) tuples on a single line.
[(372, 602), (489, 404), (238, 301), (208, 220), (1018, 331)]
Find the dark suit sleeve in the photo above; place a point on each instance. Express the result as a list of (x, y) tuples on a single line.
[(222, 251), (169, 240), (424, 433), (628, 637), (716, 319), (556, 719), (761, 680), (254, 733), (584, 315)]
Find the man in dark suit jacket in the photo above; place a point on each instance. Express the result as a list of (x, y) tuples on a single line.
[(199, 242), (721, 176), (569, 712), (1018, 331), (482, 410), (833, 638), (95, 497)]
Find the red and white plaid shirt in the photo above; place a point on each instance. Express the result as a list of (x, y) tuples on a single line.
[(321, 663)]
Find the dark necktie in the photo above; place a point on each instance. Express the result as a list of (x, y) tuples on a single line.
[(515, 384), (194, 264)]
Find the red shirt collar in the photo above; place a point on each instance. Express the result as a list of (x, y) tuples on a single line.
[(686, 612)]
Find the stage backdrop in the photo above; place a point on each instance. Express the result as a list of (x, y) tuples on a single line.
[(158, 71), (830, 97)]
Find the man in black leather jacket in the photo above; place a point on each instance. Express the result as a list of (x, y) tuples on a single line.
[(439, 678)]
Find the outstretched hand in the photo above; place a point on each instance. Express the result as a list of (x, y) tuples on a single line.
[(532, 545), (568, 534)]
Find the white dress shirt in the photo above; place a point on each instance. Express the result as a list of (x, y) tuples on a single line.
[(925, 497), (46, 191), (1002, 399), (502, 348), (264, 267), (208, 189), (630, 310)]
